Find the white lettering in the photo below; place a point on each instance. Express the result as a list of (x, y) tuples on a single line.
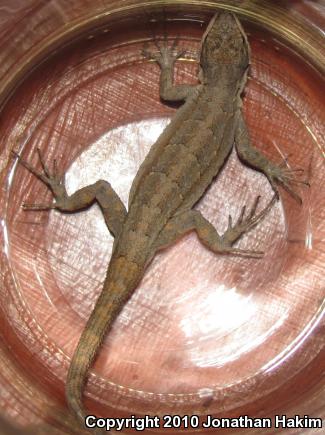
[(298, 422), (90, 421)]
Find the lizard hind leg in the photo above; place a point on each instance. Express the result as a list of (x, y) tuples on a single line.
[(193, 220)]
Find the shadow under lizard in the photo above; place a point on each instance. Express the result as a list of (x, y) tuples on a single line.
[(180, 166)]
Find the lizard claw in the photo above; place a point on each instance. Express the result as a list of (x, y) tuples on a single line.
[(38, 207), (39, 175), (148, 54), (245, 253), (287, 178), (166, 55), (244, 224), (52, 180)]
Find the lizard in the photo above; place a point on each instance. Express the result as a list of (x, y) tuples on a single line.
[(180, 166)]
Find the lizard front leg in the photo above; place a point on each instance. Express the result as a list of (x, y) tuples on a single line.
[(274, 173), (101, 192), (166, 58), (208, 235)]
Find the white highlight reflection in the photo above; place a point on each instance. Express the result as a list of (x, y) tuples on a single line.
[(224, 310), (109, 157), (5, 237), (232, 321)]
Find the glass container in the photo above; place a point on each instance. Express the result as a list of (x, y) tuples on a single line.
[(202, 334)]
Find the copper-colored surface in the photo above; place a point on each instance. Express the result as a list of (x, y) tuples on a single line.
[(202, 334)]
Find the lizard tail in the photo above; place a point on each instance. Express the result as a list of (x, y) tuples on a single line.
[(121, 280)]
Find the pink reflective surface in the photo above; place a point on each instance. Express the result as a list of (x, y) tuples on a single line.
[(201, 334)]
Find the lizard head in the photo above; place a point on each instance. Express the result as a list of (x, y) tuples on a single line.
[(224, 44)]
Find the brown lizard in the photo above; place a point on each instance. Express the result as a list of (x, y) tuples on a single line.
[(180, 166)]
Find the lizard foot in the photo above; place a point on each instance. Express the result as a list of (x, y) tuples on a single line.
[(52, 180), (243, 225), (166, 56), (288, 178)]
